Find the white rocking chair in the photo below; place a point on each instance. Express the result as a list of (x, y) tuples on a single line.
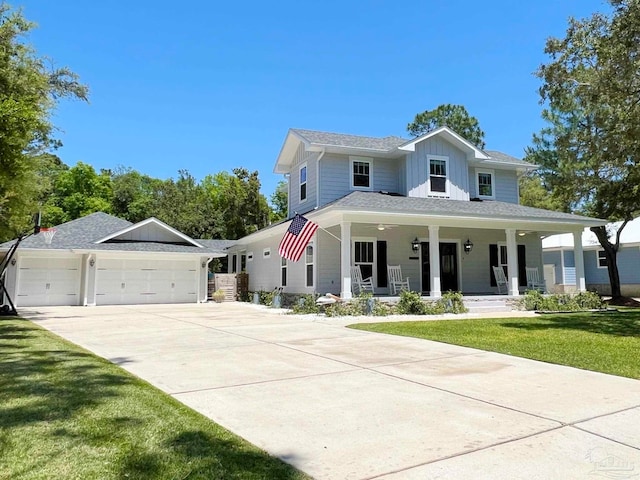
[(357, 282), (501, 280), (396, 283), (533, 280)]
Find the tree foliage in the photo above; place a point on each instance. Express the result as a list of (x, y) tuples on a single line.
[(280, 202), (455, 117), (29, 92), (590, 149)]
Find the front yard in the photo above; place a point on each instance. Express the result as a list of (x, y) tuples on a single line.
[(65, 413), (603, 342)]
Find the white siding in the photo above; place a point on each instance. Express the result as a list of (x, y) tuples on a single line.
[(418, 169), (506, 184)]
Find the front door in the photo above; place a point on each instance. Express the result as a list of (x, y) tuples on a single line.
[(448, 267)]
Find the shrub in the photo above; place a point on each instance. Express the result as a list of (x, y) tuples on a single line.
[(452, 302), (306, 304), (564, 302), (411, 304)]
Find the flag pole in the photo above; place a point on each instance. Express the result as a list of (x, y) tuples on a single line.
[(329, 233)]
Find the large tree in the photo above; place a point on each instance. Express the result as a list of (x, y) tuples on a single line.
[(29, 92), (279, 202), (590, 150), (455, 117)]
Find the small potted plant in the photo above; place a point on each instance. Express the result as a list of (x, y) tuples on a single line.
[(218, 296)]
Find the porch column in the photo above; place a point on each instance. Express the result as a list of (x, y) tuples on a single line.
[(512, 262), (345, 260), (434, 260), (581, 285)]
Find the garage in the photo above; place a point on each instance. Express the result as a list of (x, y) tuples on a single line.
[(100, 259), (135, 281), (48, 281)]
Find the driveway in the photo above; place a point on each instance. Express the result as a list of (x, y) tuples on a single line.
[(345, 404)]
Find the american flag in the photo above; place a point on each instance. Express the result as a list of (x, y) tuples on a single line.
[(297, 237)]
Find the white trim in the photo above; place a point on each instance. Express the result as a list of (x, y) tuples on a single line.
[(368, 160), (492, 174), (450, 135), (598, 258), (447, 175), (305, 183), (312, 263), (154, 220)]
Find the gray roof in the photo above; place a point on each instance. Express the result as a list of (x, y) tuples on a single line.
[(354, 141), (503, 157), (383, 144), (375, 201), (82, 233)]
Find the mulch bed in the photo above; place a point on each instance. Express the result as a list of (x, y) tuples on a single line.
[(623, 302)]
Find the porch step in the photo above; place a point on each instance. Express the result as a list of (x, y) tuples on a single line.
[(485, 305)]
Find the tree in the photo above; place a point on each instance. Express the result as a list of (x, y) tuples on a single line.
[(590, 151), (280, 202), (29, 92), (455, 117), (135, 196), (77, 192)]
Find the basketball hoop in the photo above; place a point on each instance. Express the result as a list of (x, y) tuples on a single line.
[(48, 234)]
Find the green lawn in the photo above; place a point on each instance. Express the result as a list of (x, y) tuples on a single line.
[(603, 342), (65, 413)]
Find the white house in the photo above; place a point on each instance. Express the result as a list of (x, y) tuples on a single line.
[(103, 260), (559, 261), (414, 203)]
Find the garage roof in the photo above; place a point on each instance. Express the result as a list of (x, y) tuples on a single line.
[(85, 233)]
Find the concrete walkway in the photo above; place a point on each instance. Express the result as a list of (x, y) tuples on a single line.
[(345, 404)]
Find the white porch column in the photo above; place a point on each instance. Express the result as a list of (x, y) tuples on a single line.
[(581, 285), (434, 261), (345, 259), (512, 262), (90, 268)]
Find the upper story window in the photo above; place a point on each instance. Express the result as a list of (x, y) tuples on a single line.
[(486, 184), (602, 259), (438, 175), (361, 173), (303, 182)]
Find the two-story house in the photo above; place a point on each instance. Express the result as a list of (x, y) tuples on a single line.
[(438, 206)]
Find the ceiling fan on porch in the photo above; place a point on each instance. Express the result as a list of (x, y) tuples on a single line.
[(383, 226)]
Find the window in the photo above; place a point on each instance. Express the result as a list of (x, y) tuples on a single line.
[(303, 183), (308, 260), (361, 169), (364, 256), (438, 171), (266, 253), (602, 259), (283, 272), (234, 263), (485, 184)]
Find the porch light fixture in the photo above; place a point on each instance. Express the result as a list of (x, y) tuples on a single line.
[(203, 264), (92, 262), (468, 246), (13, 262), (415, 245)]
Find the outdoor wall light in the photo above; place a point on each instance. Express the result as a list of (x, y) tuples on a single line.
[(203, 264), (468, 246), (92, 262), (415, 245), (13, 262)]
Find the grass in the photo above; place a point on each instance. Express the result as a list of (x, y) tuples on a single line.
[(603, 342), (65, 413)]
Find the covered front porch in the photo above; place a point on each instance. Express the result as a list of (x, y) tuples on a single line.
[(467, 250)]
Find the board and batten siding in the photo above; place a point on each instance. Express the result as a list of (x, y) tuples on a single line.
[(310, 158), (335, 176), (417, 174), (505, 184)]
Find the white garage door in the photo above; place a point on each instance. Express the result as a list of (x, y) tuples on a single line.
[(48, 281), (130, 282)]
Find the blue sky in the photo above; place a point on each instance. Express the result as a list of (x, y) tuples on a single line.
[(209, 86)]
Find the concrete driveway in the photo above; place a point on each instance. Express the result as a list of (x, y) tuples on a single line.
[(344, 404)]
